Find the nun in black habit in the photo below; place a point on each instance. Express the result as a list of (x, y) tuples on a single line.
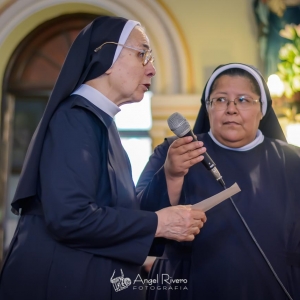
[(81, 234), (246, 142)]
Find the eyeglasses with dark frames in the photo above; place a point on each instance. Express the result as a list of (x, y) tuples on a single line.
[(241, 102), (146, 54)]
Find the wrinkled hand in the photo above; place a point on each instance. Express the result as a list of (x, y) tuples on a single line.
[(182, 154), (179, 223)]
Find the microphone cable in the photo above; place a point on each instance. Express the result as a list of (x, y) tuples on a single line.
[(259, 248)]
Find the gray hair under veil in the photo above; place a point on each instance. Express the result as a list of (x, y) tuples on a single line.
[(269, 124)]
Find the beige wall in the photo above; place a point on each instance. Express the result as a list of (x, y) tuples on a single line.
[(216, 32)]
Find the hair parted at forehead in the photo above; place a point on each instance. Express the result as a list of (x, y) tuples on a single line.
[(237, 72), (252, 71)]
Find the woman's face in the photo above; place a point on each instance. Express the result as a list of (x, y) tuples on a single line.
[(128, 78), (233, 127)]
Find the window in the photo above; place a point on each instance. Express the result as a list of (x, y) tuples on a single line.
[(134, 122)]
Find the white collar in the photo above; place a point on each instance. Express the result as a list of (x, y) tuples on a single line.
[(98, 99), (258, 140)]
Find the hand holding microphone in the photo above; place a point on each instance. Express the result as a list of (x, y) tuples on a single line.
[(181, 128), (183, 154)]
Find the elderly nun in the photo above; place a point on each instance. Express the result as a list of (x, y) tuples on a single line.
[(81, 234)]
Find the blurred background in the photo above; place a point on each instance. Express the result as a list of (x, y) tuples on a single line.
[(189, 39)]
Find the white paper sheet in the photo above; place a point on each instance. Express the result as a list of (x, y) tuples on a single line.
[(210, 202)]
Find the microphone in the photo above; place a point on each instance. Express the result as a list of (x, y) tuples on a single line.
[(181, 128)]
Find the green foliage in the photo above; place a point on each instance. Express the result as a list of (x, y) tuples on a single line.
[(289, 55)]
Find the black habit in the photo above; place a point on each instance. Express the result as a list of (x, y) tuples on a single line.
[(223, 261), (81, 235)]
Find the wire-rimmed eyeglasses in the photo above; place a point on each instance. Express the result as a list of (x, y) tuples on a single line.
[(241, 102), (146, 54)]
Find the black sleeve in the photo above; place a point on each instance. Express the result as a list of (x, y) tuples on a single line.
[(70, 169), (152, 186)]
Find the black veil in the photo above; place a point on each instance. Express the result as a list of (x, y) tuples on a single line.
[(81, 64), (269, 125)]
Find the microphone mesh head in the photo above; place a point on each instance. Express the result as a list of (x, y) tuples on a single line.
[(178, 124)]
